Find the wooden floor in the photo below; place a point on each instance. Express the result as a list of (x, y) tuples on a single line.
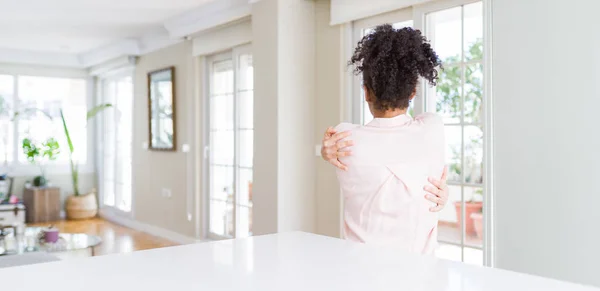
[(115, 238)]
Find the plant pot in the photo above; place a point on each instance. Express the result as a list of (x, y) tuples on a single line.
[(82, 206), (477, 218), (250, 191), (40, 181), (470, 208)]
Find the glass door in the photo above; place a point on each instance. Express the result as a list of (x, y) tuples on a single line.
[(456, 34), (231, 135)]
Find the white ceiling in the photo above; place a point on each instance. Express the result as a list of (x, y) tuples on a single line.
[(79, 26)]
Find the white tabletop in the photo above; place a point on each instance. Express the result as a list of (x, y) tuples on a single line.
[(288, 261)]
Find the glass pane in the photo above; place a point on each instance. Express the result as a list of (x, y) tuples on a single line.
[(125, 204), (246, 148), (398, 25), (6, 113), (473, 216), (449, 228), (246, 73), (41, 100), (222, 82), (473, 256), (448, 252), (244, 228), (221, 183), (7, 85), (108, 193), (109, 168), (473, 31), (222, 147), (445, 34), (448, 91), (246, 109), (245, 196), (221, 218), (221, 112), (366, 112), (6, 141), (453, 153), (473, 93), (473, 154)]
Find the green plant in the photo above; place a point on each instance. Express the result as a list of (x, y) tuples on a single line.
[(451, 104), (38, 154), (74, 166)]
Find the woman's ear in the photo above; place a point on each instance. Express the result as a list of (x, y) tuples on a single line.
[(414, 93), (368, 96)]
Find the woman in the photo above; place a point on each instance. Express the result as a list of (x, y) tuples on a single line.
[(393, 156)]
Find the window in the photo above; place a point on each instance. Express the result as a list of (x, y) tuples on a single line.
[(457, 36), (116, 130), (456, 33), (231, 127), (38, 101)]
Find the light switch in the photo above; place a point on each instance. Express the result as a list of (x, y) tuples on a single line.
[(185, 148), (145, 145), (318, 150)]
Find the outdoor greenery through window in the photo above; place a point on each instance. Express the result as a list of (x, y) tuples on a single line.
[(457, 36), (30, 109)]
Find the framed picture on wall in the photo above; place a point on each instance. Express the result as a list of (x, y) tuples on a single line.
[(161, 109)]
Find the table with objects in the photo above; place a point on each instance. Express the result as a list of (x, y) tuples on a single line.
[(294, 261), (27, 240)]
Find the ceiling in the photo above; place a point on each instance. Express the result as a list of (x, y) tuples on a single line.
[(79, 26)]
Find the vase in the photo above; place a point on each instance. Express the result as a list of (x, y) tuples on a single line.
[(82, 206)]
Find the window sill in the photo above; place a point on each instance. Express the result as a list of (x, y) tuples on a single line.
[(23, 170)]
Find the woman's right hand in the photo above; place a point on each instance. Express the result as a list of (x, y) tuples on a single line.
[(333, 148)]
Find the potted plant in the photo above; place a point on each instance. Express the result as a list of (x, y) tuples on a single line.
[(477, 218), (39, 154), (472, 206), (80, 206)]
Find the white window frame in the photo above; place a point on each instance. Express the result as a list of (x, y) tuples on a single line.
[(113, 75), (233, 55), (24, 169), (418, 13)]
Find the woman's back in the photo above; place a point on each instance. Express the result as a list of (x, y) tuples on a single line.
[(383, 189)]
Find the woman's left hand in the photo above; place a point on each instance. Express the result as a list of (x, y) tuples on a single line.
[(438, 192)]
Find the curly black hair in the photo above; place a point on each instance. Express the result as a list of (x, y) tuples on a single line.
[(391, 61)]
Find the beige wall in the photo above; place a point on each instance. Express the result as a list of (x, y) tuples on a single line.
[(328, 112), (153, 170), (284, 59)]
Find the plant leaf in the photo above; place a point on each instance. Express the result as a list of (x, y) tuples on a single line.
[(97, 109), (62, 116)]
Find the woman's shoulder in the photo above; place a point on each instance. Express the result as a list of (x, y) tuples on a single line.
[(345, 126)]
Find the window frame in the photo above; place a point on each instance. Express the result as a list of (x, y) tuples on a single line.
[(422, 104), (24, 169), (112, 76), (233, 55)]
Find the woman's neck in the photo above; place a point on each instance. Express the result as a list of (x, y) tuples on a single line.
[(389, 113)]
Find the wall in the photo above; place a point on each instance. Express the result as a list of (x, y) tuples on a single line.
[(284, 176), (153, 170), (546, 67), (330, 65)]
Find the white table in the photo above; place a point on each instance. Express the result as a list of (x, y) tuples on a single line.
[(287, 262)]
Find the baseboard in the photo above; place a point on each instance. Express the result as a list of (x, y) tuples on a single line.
[(147, 228)]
